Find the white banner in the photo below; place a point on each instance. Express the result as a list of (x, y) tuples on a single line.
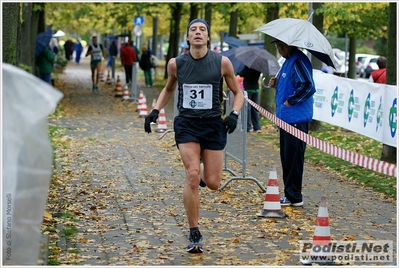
[(357, 105)]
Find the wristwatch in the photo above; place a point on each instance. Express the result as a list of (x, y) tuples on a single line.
[(235, 112)]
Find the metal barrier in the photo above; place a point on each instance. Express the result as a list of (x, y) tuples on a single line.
[(133, 89), (236, 147), (175, 113)]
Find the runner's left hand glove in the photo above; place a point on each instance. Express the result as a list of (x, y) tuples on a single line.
[(152, 117), (231, 122)]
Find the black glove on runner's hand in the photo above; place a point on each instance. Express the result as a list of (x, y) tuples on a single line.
[(231, 122), (152, 117)]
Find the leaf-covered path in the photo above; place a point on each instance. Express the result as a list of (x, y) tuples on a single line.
[(124, 188)]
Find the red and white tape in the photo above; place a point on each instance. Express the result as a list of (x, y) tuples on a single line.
[(354, 158)]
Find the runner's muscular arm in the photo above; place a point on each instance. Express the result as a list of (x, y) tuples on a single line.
[(232, 83), (170, 87)]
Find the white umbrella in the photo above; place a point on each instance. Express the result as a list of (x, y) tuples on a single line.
[(300, 33), (59, 33)]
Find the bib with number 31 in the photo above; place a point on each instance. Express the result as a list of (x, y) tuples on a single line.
[(197, 96)]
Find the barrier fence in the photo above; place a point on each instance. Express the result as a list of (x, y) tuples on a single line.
[(236, 147), (354, 158)]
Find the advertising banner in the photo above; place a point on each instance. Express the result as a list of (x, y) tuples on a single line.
[(366, 108)]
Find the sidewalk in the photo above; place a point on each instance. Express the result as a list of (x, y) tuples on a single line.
[(125, 188)]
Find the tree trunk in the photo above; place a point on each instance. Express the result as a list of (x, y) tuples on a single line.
[(11, 28), (316, 63), (28, 36), (352, 58), (233, 21), (208, 14), (155, 35), (389, 152), (267, 94), (194, 10), (173, 50)]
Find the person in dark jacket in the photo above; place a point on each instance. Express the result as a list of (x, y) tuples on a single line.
[(145, 65), (294, 105), (251, 86), (45, 63)]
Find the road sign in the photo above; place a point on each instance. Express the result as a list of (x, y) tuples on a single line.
[(137, 30), (138, 21)]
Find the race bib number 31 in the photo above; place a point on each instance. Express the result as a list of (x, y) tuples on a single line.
[(197, 96)]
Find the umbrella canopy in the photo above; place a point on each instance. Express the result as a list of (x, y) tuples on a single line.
[(300, 33), (59, 33), (234, 42), (258, 59), (42, 41), (237, 65)]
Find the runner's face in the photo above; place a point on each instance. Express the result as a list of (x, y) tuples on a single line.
[(94, 41), (198, 34)]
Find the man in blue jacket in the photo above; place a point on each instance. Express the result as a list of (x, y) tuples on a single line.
[(294, 105)]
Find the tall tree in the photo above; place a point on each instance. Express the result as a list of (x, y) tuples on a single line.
[(176, 9), (194, 10), (317, 19), (389, 152), (267, 94), (208, 14), (233, 20), (356, 19), (11, 28)]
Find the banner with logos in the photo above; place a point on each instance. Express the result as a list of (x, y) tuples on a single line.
[(367, 108)]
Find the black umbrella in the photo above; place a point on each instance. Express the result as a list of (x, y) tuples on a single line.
[(234, 42), (237, 65), (42, 41), (258, 59)]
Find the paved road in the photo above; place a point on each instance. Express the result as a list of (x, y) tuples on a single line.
[(125, 188)]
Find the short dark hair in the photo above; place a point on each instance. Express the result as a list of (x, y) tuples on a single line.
[(382, 62)]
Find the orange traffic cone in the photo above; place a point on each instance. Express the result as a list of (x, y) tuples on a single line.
[(108, 81), (141, 96), (272, 206), (118, 91), (322, 237), (118, 83), (101, 75), (143, 108), (161, 122), (126, 94)]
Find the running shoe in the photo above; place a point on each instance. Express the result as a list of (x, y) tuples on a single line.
[(195, 245), (285, 202)]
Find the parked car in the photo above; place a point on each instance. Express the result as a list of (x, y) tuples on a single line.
[(362, 61), (370, 66)]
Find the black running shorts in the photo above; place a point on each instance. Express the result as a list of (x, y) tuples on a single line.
[(210, 133)]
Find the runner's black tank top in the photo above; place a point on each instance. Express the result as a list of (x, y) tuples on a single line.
[(200, 85)]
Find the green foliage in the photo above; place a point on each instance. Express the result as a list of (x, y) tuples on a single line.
[(25, 67), (61, 61)]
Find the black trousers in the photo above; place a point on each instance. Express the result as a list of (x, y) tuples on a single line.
[(128, 72), (292, 154)]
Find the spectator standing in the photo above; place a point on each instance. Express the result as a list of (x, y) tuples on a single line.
[(68, 47), (145, 65), (78, 50), (380, 75), (45, 63), (113, 52), (96, 51), (294, 105), (251, 86), (128, 57)]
